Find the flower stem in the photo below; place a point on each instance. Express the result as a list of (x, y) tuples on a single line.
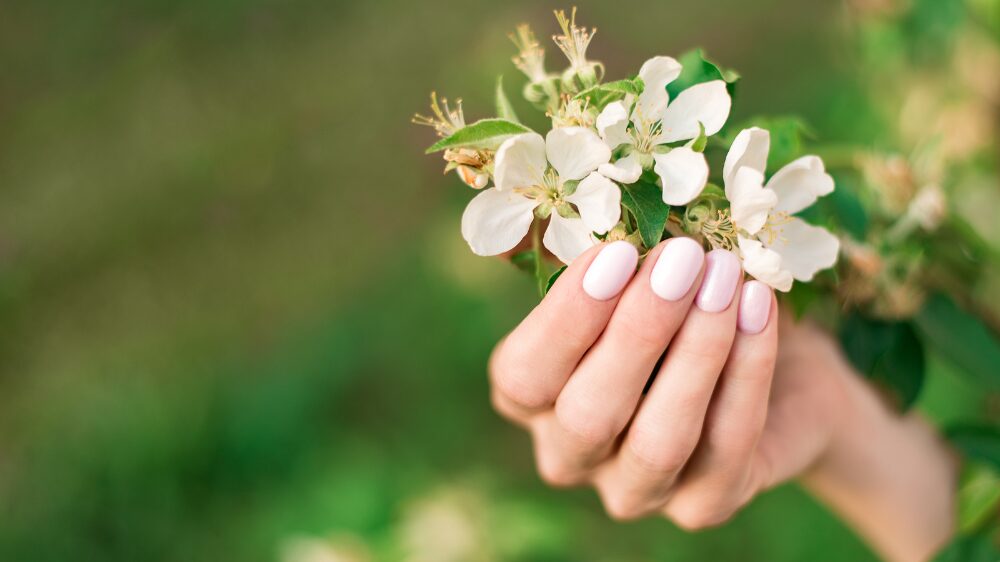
[(536, 244)]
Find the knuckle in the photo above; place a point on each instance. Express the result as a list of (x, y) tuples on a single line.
[(557, 474), (513, 379), (621, 508), (694, 517), (637, 330), (757, 366), (587, 425), (711, 345), (658, 462)]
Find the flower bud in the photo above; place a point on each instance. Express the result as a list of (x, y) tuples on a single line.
[(892, 178), (863, 258), (476, 179), (929, 207)]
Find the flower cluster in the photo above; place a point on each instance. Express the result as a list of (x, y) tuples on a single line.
[(626, 160)]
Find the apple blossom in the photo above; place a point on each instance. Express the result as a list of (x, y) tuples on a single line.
[(655, 121), (552, 178), (775, 246)]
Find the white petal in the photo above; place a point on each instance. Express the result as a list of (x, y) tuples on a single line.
[(625, 170), (495, 221), (656, 73), (575, 152), (708, 103), (800, 183), (804, 248), (599, 202), (764, 265), (520, 162), (684, 174), (612, 124), (567, 238), (749, 149), (749, 201)]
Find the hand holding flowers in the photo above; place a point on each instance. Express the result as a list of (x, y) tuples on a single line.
[(612, 146), (647, 168)]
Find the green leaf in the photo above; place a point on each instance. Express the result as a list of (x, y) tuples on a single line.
[(552, 280), (504, 109), (698, 69), (645, 201), (485, 134), (961, 338), (889, 353), (978, 496), (977, 441), (699, 143), (602, 94)]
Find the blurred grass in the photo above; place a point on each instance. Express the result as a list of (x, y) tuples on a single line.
[(234, 302)]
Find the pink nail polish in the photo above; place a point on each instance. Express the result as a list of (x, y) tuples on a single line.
[(611, 270), (755, 307), (722, 274), (676, 269)]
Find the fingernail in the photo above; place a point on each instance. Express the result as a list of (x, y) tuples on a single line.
[(611, 270), (722, 274), (676, 269), (755, 307)]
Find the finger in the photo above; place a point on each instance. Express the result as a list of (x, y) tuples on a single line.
[(531, 365), (720, 477), (668, 424), (601, 395)]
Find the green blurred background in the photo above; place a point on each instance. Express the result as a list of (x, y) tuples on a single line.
[(238, 319)]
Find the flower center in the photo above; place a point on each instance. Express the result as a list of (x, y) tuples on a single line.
[(644, 133), (551, 190), (720, 231), (774, 228)]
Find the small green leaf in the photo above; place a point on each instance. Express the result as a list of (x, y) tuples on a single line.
[(698, 145), (645, 201), (602, 94), (698, 69), (978, 496), (504, 109), (485, 134), (961, 338), (889, 353), (552, 280)]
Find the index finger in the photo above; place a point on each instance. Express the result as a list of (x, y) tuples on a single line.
[(530, 367)]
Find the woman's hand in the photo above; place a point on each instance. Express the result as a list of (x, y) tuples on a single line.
[(717, 425), (574, 371)]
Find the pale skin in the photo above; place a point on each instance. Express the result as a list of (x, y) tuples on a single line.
[(729, 415)]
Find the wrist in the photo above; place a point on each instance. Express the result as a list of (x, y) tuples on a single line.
[(890, 476)]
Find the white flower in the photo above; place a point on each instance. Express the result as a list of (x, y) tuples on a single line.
[(534, 173), (777, 247), (656, 120)]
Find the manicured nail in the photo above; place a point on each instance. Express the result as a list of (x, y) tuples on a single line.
[(611, 270), (755, 307), (722, 274), (676, 269)]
